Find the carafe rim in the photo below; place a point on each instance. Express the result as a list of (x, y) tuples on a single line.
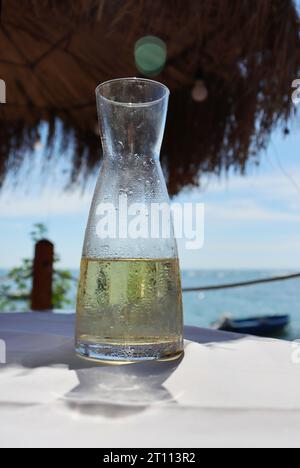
[(166, 92)]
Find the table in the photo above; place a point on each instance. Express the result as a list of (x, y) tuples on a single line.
[(228, 391)]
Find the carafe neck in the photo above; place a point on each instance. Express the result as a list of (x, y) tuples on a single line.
[(132, 116)]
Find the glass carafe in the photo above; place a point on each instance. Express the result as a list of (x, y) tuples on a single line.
[(129, 305)]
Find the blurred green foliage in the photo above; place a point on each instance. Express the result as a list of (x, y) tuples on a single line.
[(16, 286)]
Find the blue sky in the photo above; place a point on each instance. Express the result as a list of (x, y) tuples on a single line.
[(251, 222)]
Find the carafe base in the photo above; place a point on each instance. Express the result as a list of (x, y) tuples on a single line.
[(118, 354)]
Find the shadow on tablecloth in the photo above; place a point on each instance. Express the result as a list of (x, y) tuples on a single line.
[(118, 391)]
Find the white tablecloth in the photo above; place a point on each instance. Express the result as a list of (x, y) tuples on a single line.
[(228, 391)]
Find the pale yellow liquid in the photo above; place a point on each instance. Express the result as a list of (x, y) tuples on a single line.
[(134, 306)]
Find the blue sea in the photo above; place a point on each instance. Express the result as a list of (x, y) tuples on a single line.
[(278, 298), (203, 308)]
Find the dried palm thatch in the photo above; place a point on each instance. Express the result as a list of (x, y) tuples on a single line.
[(53, 54)]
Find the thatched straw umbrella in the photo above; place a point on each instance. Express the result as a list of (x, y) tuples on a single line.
[(53, 54)]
